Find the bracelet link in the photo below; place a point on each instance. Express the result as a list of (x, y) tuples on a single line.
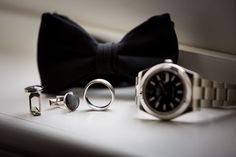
[(218, 94)]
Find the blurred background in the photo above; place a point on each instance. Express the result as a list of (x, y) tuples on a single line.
[(207, 24), (206, 29)]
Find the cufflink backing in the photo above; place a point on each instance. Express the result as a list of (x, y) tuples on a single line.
[(69, 100), (35, 109)]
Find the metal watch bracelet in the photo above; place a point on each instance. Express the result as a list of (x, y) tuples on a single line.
[(213, 94)]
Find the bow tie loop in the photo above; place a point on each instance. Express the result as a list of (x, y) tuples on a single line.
[(105, 57)]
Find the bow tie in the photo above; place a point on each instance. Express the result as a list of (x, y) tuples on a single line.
[(69, 57)]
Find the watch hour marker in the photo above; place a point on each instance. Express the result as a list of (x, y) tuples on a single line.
[(177, 99), (178, 84), (172, 78), (158, 77), (164, 107), (152, 98), (157, 104), (179, 91), (153, 83), (167, 77), (171, 105)]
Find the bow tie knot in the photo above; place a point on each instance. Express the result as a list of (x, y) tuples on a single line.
[(105, 57)]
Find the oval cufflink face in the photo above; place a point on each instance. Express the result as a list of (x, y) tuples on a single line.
[(71, 101)]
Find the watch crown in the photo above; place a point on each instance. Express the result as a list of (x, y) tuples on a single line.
[(168, 61)]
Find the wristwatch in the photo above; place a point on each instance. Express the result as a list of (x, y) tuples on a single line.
[(168, 90)]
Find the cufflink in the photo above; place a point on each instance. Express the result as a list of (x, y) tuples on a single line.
[(69, 100), (35, 108)]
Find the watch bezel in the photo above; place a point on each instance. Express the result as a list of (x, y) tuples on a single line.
[(185, 102)]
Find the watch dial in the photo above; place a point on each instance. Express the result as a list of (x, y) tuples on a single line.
[(164, 91)]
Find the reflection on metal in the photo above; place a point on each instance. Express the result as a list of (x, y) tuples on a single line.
[(35, 108)]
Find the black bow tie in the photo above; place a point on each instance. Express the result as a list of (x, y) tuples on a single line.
[(69, 57)]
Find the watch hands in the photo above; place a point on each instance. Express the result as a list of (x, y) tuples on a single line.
[(162, 87)]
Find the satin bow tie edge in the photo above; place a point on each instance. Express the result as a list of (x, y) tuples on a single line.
[(69, 57)]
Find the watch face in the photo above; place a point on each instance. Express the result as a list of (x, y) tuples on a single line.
[(164, 91)]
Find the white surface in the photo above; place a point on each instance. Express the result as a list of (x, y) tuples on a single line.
[(120, 129)]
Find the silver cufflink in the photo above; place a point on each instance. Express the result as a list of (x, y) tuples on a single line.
[(69, 100), (35, 107)]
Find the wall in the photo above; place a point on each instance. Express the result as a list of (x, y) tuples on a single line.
[(208, 24), (204, 27)]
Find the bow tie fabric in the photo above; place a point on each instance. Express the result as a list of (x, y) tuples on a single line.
[(70, 57)]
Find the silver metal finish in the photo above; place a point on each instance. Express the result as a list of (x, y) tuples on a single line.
[(198, 92), (65, 101), (213, 94), (180, 72), (59, 100), (35, 109), (105, 83)]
